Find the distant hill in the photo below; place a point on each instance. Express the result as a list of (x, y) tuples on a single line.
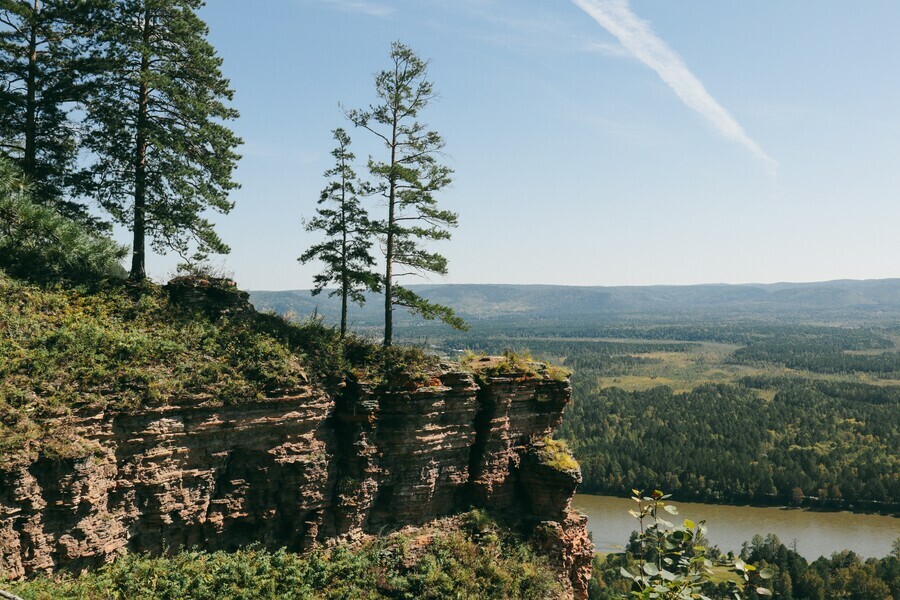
[(845, 301)]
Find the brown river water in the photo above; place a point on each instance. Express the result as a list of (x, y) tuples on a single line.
[(816, 533)]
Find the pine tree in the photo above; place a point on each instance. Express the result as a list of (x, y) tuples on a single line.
[(39, 244), (157, 117), (44, 71), (408, 180), (346, 251)]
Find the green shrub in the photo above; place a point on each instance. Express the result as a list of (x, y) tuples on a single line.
[(445, 563), (124, 347), (671, 561), (39, 244)]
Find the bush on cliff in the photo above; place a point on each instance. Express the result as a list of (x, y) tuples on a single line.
[(39, 244)]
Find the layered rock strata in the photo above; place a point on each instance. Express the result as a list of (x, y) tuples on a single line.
[(298, 470)]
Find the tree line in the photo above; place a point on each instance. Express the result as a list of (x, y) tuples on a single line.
[(122, 105)]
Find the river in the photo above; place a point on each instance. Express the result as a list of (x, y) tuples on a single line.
[(816, 533)]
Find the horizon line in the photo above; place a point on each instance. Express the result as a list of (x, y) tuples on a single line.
[(650, 285)]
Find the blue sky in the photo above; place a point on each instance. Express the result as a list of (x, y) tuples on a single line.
[(595, 142)]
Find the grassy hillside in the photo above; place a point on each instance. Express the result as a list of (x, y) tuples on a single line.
[(122, 347)]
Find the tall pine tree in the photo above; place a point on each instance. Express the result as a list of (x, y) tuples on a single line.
[(157, 117), (44, 73), (408, 178), (346, 251)]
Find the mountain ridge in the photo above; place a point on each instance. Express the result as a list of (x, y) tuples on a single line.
[(837, 300)]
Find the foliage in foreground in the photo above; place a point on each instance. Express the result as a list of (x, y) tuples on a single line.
[(478, 560), (675, 562), (672, 562), (844, 575)]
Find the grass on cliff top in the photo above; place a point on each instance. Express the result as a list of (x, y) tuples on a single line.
[(473, 559), (511, 363), (121, 348), (556, 455)]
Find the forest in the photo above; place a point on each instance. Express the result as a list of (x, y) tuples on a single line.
[(727, 412)]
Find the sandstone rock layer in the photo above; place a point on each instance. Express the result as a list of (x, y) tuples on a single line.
[(295, 471)]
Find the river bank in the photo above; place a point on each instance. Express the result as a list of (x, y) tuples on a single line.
[(815, 533)]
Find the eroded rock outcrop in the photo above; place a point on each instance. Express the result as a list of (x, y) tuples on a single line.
[(297, 470)]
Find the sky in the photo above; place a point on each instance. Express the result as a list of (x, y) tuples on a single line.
[(594, 142)]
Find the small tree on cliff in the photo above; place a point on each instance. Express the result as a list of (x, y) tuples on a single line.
[(346, 251), (408, 178), (164, 155)]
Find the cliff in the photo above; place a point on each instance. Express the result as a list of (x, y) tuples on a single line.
[(299, 468)]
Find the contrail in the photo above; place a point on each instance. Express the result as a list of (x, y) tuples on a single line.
[(637, 36)]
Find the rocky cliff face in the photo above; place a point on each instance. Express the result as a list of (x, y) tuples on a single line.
[(298, 470)]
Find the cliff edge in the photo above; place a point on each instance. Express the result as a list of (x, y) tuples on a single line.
[(300, 467)]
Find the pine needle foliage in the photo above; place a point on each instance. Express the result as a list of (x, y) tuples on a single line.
[(158, 128), (346, 251), (44, 73), (408, 178), (39, 244)]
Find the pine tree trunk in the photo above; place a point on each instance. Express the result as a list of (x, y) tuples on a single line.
[(138, 253), (29, 163), (345, 281), (389, 273), (389, 251)]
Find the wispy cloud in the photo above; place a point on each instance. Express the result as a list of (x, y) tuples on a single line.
[(638, 37), (359, 6)]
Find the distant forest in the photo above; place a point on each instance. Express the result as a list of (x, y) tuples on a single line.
[(833, 442), (726, 412)]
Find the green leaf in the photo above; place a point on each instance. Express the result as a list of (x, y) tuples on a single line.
[(767, 573), (689, 524), (651, 570), (763, 591)]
